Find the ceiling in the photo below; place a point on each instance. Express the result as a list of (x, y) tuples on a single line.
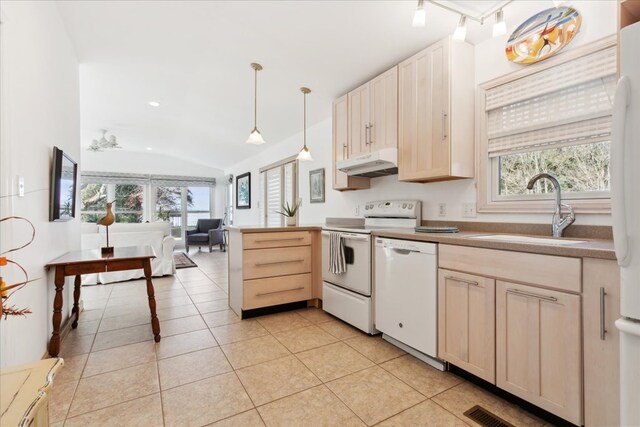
[(193, 57)]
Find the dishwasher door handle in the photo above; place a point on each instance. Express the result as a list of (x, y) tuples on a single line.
[(402, 251)]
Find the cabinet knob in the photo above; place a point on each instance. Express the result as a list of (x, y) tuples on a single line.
[(400, 324)]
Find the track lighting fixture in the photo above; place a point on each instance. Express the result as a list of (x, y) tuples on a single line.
[(461, 30), (500, 26), (419, 16)]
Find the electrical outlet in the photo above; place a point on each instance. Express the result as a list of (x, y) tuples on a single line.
[(356, 212), (442, 209), (469, 210)]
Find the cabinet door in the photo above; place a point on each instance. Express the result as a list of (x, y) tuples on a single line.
[(538, 347), (358, 107), (601, 308), (340, 141), (341, 181), (423, 111), (466, 322), (383, 111)]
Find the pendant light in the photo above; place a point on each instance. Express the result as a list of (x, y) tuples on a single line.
[(305, 154), (255, 137)]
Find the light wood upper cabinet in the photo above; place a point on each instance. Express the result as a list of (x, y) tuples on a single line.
[(435, 91), (341, 181), (373, 114), (601, 308), (466, 322), (383, 111), (539, 347), (358, 107)]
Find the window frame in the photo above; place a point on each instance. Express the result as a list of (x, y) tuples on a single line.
[(487, 169), (293, 160)]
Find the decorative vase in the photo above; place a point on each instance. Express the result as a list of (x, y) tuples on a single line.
[(291, 221)]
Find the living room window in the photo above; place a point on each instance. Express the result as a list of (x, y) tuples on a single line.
[(278, 183), (551, 117), (128, 206), (179, 200)]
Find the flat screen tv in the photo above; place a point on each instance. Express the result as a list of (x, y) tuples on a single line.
[(64, 177)]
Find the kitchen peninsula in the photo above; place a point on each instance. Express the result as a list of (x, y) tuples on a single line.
[(269, 266)]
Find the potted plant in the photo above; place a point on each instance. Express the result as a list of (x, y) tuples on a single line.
[(289, 212)]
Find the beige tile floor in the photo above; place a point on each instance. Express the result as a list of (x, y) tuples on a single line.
[(299, 368)]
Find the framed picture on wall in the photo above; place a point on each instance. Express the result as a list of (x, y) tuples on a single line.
[(243, 191), (316, 186)]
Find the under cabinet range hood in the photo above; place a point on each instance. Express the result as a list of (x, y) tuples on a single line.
[(379, 163)]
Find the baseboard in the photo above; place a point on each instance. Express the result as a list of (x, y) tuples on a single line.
[(64, 331)]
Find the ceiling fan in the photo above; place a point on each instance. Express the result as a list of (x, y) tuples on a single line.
[(103, 143)]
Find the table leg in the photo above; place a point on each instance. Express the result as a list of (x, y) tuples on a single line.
[(76, 301), (54, 344), (155, 323)]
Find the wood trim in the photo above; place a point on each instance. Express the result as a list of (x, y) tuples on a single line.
[(628, 13), (279, 163), (484, 172)]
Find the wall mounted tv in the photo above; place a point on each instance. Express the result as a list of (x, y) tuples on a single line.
[(64, 178)]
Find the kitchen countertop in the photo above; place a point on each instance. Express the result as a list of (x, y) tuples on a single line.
[(591, 248), (271, 229)]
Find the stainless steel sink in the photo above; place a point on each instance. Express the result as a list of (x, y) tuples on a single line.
[(529, 239)]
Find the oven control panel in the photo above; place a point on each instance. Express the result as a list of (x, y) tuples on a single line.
[(393, 209)]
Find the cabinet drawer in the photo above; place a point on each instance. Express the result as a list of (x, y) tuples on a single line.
[(276, 240), (276, 290), (260, 263), (545, 270)]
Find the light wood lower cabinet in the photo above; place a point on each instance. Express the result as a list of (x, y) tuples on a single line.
[(276, 290), (538, 347), (466, 322), (274, 267), (601, 308)]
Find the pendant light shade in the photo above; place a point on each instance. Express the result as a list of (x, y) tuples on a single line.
[(305, 154), (255, 137)]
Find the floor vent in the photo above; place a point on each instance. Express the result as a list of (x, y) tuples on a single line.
[(486, 418)]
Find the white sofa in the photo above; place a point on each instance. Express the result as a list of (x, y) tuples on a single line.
[(155, 234)]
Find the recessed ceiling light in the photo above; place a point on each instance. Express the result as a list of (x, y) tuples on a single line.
[(149, 148), (154, 103)]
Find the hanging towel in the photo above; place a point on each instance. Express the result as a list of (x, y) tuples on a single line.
[(337, 264)]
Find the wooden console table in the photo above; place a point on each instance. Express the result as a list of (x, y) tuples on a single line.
[(78, 263)]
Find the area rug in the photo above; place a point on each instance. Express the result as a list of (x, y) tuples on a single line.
[(183, 261)]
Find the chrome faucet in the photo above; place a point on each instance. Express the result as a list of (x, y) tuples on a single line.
[(559, 222)]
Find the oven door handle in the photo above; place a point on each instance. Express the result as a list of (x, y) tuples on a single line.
[(350, 236)]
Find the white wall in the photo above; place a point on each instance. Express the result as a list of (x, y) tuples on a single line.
[(39, 99), (599, 20)]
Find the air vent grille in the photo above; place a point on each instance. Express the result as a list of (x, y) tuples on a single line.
[(486, 418)]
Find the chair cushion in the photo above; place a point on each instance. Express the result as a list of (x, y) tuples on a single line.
[(198, 237), (205, 225)]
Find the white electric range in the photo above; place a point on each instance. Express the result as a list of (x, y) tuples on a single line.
[(349, 296)]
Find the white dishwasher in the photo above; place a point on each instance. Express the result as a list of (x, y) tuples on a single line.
[(406, 292)]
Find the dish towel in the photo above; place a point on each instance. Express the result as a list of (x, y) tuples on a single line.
[(337, 263)]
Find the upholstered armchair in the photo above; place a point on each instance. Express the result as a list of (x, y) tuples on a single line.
[(207, 232)]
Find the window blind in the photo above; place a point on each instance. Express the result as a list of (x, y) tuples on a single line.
[(568, 104), (273, 193), (89, 177)]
